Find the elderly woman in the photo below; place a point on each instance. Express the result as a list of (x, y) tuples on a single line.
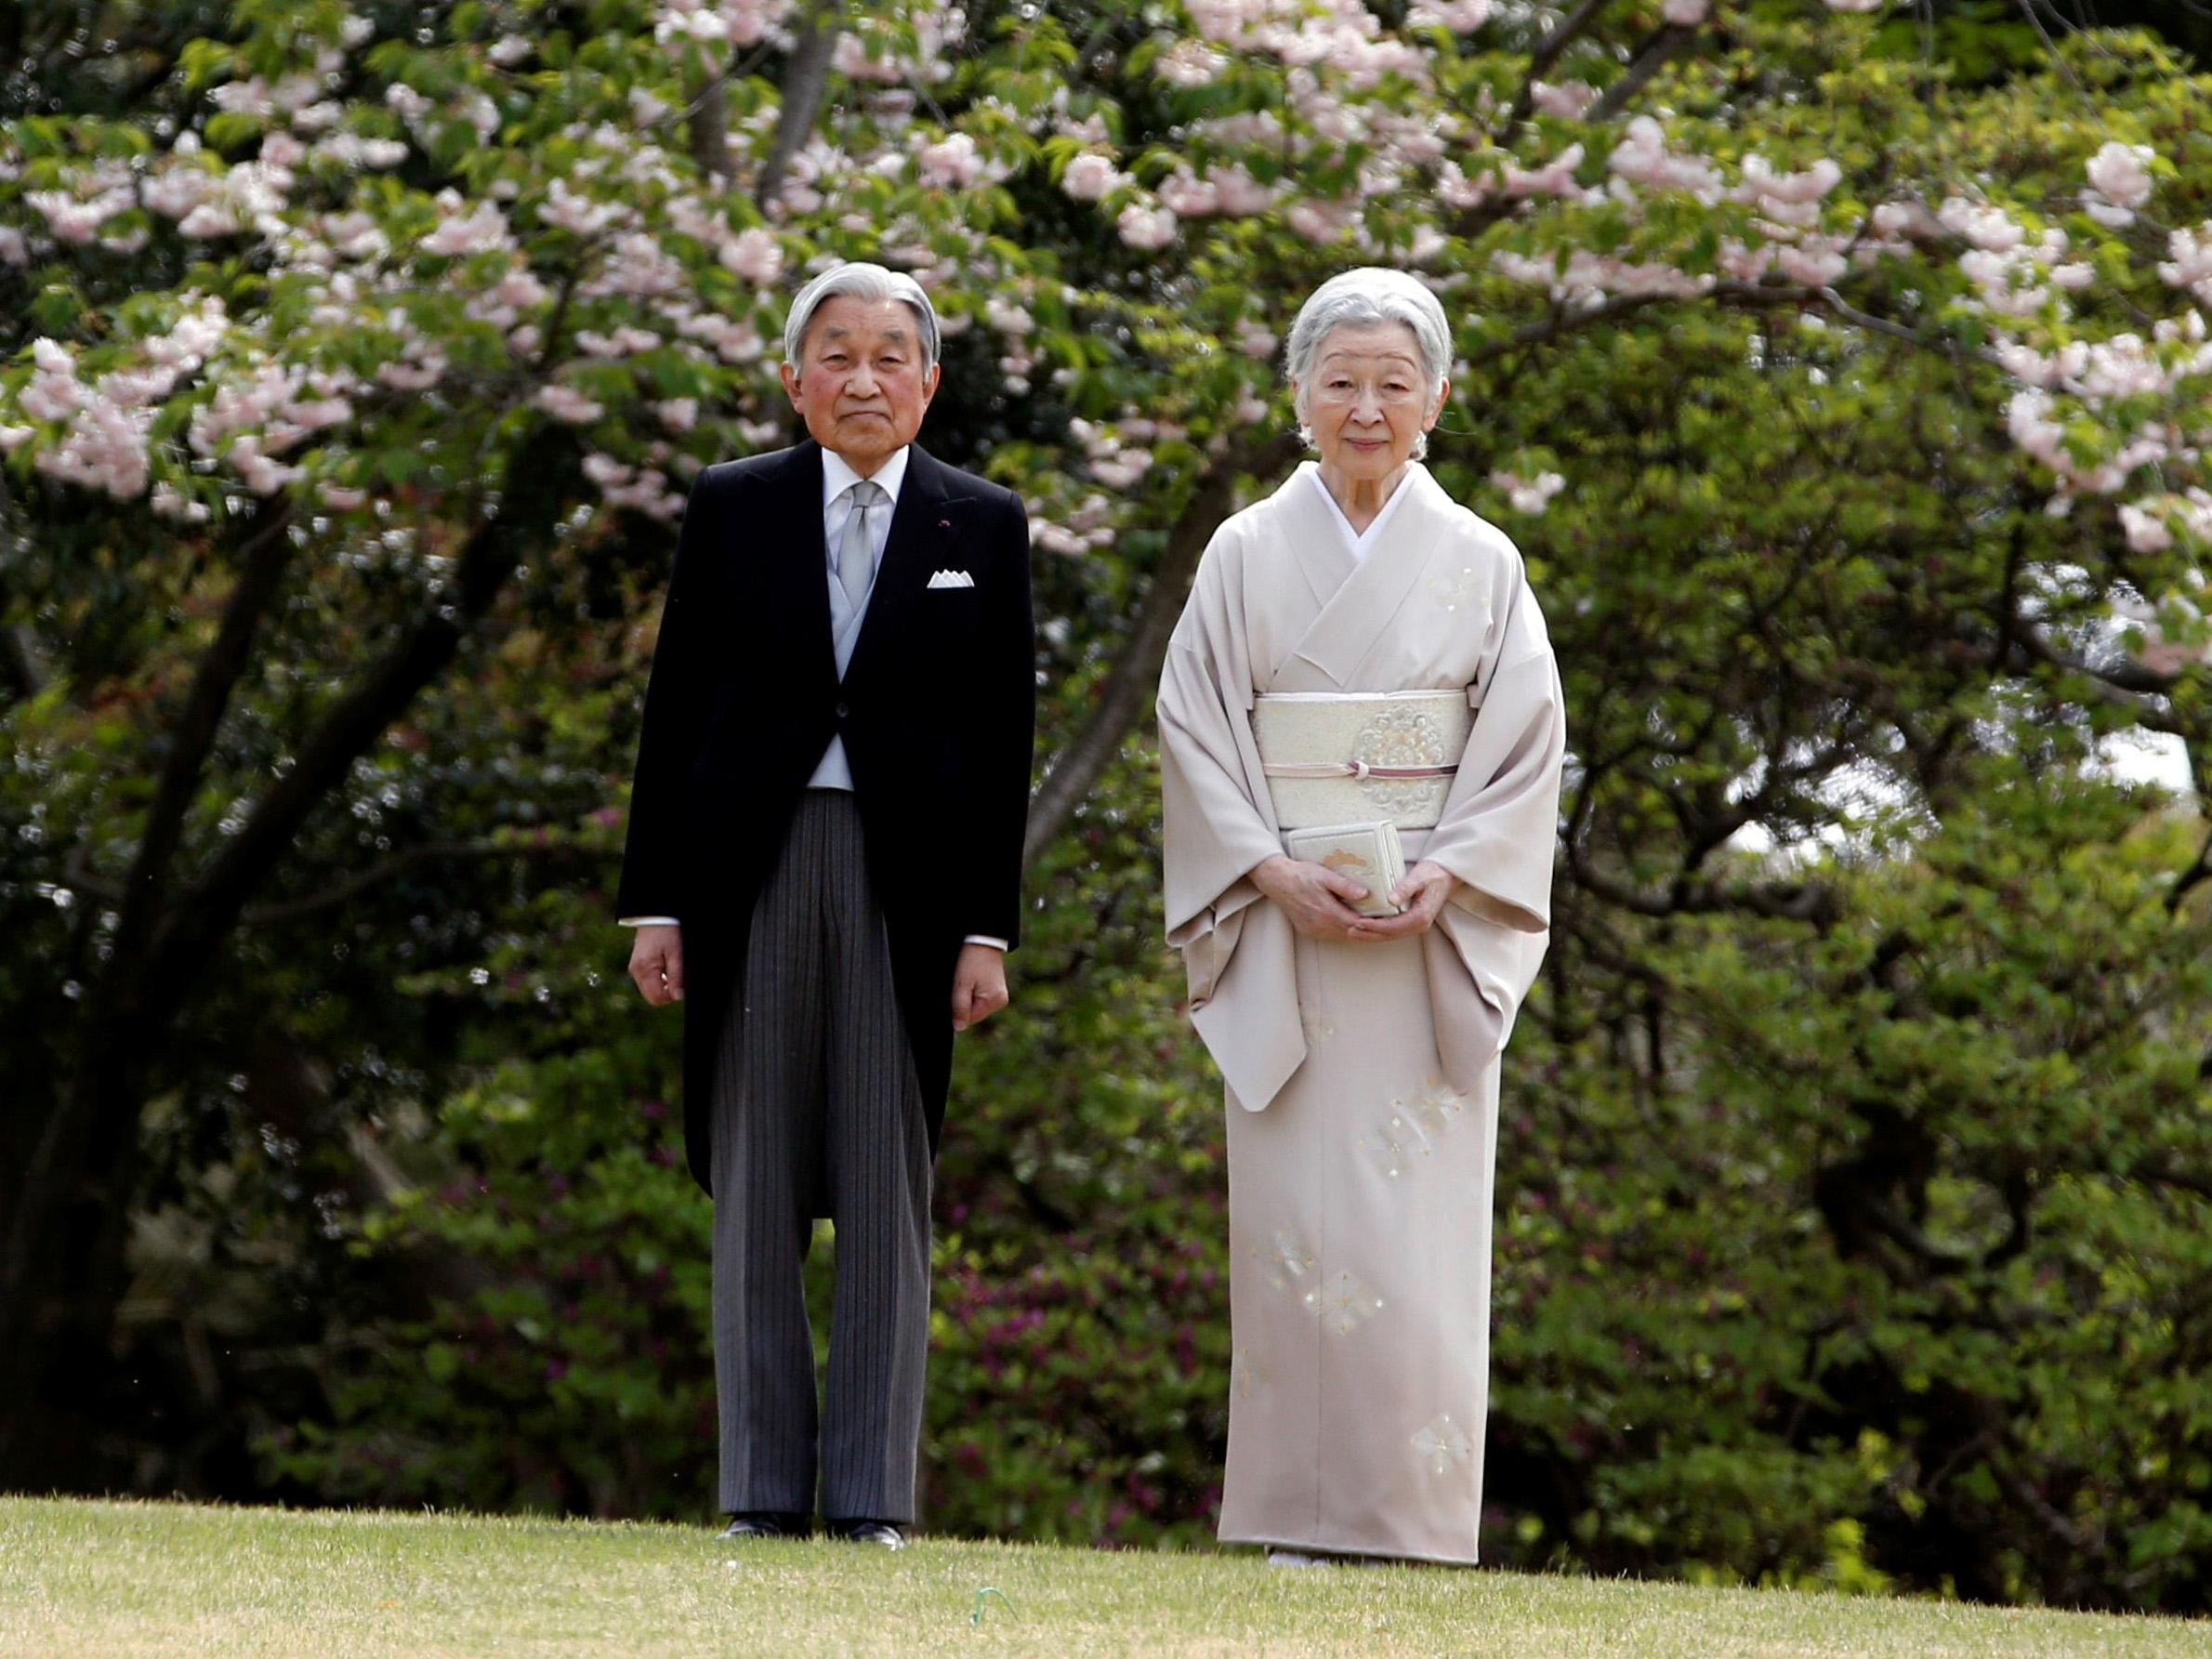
[(1360, 656)]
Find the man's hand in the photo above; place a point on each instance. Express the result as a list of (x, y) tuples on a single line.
[(1317, 900), (979, 985), (657, 963), (1422, 890)]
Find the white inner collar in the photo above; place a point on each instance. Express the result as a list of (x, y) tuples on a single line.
[(1360, 541)]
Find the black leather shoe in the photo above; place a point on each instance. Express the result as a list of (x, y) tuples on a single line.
[(879, 1532), (763, 1523)]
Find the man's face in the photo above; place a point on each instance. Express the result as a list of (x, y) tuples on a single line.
[(860, 385)]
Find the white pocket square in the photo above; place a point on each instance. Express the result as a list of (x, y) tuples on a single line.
[(952, 579)]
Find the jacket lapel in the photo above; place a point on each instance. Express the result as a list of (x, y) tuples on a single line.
[(798, 559), (925, 537)]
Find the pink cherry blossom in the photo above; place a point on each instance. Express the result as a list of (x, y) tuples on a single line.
[(1238, 194), (1189, 63), (1642, 158), (482, 230), (172, 503), (2120, 173), (264, 476), (1570, 100), (1461, 17), (1187, 196), (734, 340), (2191, 265), (1776, 193), (55, 393), (351, 150), (572, 211), (1008, 317), (1556, 177), (1588, 277), (421, 369), (1457, 188), (1989, 229), (756, 255), (1090, 177), (951, 163), (1319, 221), (1686, 14), (1815, 266), (565, 402), (2146, 529), (1529, 495), (104, 448), (1255, 341), (1148, 228), (1904, 219), (207, 221)]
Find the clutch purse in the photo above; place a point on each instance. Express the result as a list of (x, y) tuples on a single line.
[(1368, 852)]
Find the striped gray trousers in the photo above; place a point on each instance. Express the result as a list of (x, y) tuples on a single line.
[(815, 1096)]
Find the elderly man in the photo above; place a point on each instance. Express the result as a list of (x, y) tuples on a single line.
[(824, 865)]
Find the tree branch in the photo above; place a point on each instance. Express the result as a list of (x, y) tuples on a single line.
[(806, 79), (1543, 58), (265, 554), (22, 661), (407, 858), (545, 458), (1658, 47), (1810, 901), (2197, 872), (707, 130), (1117, 702), (2129, 686)]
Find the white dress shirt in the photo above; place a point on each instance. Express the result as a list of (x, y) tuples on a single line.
[(838, 482), (837, 479), (1361, 540)]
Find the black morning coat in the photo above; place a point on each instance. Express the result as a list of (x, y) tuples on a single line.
[(937, 709)]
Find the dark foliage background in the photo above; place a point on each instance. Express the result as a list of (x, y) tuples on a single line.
[(1857, 1161)]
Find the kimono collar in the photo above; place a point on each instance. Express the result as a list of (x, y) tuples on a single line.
[(1356, 606), (1364, 541)]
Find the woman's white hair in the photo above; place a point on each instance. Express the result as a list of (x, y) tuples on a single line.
[(861, 280), (1369, 295)]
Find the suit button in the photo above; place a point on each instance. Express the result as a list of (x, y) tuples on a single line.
[(842, 711)]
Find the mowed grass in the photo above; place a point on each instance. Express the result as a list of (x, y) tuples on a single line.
[(102, 1578)]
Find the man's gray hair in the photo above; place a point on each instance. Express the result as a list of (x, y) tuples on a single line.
[(861, 281), (1371, 294)]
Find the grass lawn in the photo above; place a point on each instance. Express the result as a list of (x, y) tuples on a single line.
[(99, 1578)]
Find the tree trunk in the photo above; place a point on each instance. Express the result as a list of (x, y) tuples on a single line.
[(1120, 699), (65, 1203)]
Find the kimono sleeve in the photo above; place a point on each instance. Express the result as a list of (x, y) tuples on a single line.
[(1500, 823)]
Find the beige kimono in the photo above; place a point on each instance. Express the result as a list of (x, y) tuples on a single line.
[(1362, 1078)]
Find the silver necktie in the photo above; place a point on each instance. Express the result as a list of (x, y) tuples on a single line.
[(856, 552)]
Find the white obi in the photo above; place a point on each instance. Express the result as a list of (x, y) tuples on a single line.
[(1360, 757)]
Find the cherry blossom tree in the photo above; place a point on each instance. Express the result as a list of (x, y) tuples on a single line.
[(347, 338)]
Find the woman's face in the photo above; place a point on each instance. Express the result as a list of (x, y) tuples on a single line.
[(1369, 400)]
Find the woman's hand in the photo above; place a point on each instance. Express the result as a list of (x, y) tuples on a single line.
[(1422, 891), (1317, 900)]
